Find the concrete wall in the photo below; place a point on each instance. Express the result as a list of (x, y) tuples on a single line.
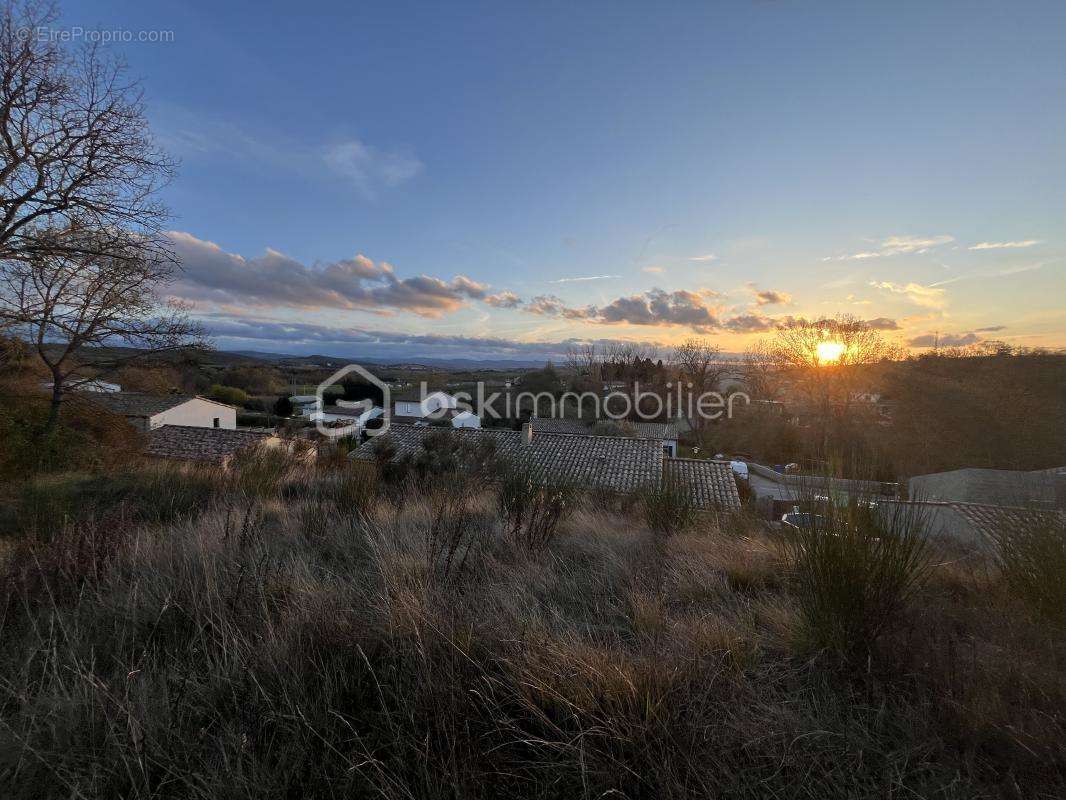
[(198, 413)]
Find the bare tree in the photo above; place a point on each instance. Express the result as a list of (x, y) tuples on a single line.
[(82, 258), (699, 363), (822, 361), (62, 301), (77, 153)]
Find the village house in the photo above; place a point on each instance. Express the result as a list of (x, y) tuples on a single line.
[(620, 464), (666, 432), (147, 412), (216, 446)]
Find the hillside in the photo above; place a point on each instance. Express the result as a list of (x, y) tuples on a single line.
[(284, 633)]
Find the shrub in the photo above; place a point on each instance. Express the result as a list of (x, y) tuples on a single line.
[(855, 566), (668, 508), (533, 505), (230, 395), (283, 407), (613, 428), (1031, 551)]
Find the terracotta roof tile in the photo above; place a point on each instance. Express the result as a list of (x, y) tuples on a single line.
[(211, 445), (608, 462), (711, 482)]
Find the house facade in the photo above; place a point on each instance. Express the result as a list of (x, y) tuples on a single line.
[(147, 412)]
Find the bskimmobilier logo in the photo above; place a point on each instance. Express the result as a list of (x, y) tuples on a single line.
[(352, 415)]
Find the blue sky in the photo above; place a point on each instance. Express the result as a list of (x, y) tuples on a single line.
[(513, 176)]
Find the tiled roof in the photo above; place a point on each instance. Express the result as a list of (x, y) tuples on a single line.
[(188, 443), (608, 462), (135, 404), (710, 482), (655, 430), (641, 430), (988, 520), (990, 486), (560, 425)]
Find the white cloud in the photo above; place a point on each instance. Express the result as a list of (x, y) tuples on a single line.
[(653, 270), (369, 168), (1005, 245), (585, 278), (708, 257), (898, 245), (927, 296)]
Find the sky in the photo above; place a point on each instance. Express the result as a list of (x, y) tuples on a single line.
[(499, 180)]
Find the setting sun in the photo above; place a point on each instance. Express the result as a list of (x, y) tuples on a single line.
[(829, 352)]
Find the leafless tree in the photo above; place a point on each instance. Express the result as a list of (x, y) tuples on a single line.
[(699, 363), (63, 299), (77, 152), (820, 360), (82, 258)]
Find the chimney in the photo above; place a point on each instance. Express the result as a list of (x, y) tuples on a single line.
[(527, 433)]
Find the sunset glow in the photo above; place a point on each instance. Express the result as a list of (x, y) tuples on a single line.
[(830, 352)]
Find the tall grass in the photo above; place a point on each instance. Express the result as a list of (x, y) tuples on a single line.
[(533, 505), (855, 566), (324, 657), (668, 508), (1031, 550)]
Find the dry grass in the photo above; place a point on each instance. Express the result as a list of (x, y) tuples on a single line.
[(296, 640)]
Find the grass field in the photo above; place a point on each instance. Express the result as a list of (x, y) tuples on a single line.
[(277, 634)]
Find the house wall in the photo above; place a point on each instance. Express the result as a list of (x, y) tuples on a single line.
[(198, 413)]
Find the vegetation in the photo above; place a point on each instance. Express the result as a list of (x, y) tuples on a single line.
[(281, 630)]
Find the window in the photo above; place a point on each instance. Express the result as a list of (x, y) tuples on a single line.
[(218, 422)]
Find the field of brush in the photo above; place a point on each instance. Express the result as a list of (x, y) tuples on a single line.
[(280, 633)]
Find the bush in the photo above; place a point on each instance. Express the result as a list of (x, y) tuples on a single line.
[(230, 395), (613, 428), (1031, 552), (855, 567), (668, 508), (533, 505)]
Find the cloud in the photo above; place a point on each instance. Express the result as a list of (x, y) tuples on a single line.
[(708, 257), (548, 305), (307, 338), (504, 300), (991, 329), (585, 278), (751, 323), (658, 307), (926, 296), (653, 270), (897, 245), (1005, 245), (275, 279), (944, 340), (769, 297), (368, 167), (882, 324), (197, 137)]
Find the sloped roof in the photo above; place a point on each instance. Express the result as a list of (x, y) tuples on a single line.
[(560, 425), (990, 486), (136, 404), (711, 483), (609, 462), (210, 445), (641, 430), (988, 519)]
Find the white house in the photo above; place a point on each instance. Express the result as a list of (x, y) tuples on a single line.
[(147, 412), (466, 419), (414, 404)]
